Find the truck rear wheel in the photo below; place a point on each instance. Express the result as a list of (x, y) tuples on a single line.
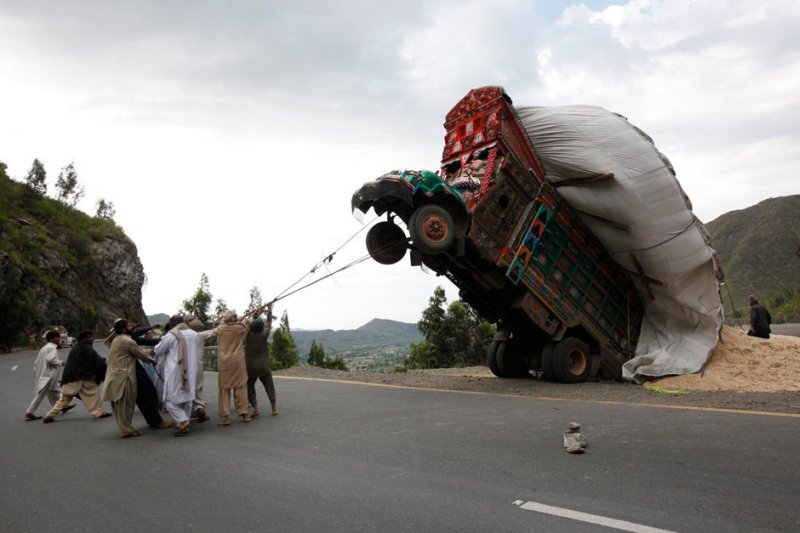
[(432, 229), (571, 360), (491, 358), (386, 243), (509, 362), (547, 362)]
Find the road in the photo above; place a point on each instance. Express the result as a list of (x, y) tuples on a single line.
[(355, 457)]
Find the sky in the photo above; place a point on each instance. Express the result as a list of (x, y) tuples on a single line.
[(230, 136)]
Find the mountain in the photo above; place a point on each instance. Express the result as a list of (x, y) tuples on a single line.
[(158, 318), (61, 266), (758, 248), (377, 344)]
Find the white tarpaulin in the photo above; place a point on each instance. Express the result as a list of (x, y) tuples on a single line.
[(644, 219)]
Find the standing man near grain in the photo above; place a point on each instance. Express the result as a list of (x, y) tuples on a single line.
[(232, 369), (760, 319)]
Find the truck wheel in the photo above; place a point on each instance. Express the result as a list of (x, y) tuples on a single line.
[(386, 243), (510, 364), (547, 362), (491, 358), (571, 360), (432, 229)]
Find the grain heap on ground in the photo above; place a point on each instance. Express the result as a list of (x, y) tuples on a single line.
[(743, 363)]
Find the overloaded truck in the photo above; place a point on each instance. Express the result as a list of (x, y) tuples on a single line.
[(491, 223)]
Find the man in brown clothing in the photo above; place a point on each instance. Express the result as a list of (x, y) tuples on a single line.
[(232, 369), (120, 387)]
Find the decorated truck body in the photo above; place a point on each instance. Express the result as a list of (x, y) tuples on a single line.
[(490, 222)]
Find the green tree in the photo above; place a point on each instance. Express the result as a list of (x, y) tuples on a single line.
[(255, 299), (37, 178), (316, 354), (105, 210), (200, 302), (219, 311), (68, 190), (336, 363), (283, 350), (455, 337)]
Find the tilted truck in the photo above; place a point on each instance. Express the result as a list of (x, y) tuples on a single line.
[(491, 223)]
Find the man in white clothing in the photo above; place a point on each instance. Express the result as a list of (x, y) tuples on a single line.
[(199, 404), (176, 357), (45, 376)]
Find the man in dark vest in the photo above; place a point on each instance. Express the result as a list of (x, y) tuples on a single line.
[(760, 319)]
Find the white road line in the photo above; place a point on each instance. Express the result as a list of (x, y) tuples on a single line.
[(590, 518), (13, 368)]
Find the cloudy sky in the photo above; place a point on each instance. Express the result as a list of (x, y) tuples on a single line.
[(230, 136)]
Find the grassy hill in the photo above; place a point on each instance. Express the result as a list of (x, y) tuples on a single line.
[(378, 344), (758, 249), (59, 265)]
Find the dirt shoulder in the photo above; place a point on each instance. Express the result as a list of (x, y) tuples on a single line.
[(481, 380)]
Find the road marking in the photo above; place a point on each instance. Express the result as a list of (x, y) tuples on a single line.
[(550, 399), (589, 518), (14, 368)]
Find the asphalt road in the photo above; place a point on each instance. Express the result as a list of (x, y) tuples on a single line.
[(354, 457)]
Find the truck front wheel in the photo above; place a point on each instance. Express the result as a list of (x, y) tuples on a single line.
[(571, 360), (510, 362), (432, 229), (386, 243)]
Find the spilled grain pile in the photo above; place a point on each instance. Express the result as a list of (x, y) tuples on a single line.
[(742, 363)]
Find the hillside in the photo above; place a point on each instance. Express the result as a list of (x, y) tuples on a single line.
[(757, 247), (61, 266), (376, 345)]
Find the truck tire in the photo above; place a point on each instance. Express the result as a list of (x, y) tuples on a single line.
[(547, 362), (511, 365), (432, 229), (491, 358), (386, 243), (571, 360)]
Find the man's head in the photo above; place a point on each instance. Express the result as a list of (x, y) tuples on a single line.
[(86, 337), (257, 326), (122, 326), (173, 321), (53, 336), (230, 316), (753, 300), (193, 322)]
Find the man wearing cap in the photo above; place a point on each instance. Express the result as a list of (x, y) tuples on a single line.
[(232, 369), (120, 387), (78, 379)]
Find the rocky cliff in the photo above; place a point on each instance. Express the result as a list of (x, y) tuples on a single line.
[(61, 266)]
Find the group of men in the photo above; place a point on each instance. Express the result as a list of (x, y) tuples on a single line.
[(176, 360)]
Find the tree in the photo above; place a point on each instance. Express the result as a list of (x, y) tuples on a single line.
[(37, 178), (283, 350), (68, 190), (200, 302), (255, 299), (456, 337), (219, 311), (105, 210), (316, 355)]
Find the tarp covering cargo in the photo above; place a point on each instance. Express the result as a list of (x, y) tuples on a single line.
[(644, 219)]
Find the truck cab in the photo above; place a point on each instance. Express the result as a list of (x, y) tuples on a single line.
[(490, 222)]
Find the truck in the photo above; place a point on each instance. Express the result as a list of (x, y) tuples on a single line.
[(491, 223)]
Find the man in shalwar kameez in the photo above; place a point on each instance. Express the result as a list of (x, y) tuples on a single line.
[(45, 376), (232, 370), (120, 386), (199, 404), (176, 356)]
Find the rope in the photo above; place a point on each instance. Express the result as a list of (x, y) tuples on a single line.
[(733, 306), (326, 260)]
